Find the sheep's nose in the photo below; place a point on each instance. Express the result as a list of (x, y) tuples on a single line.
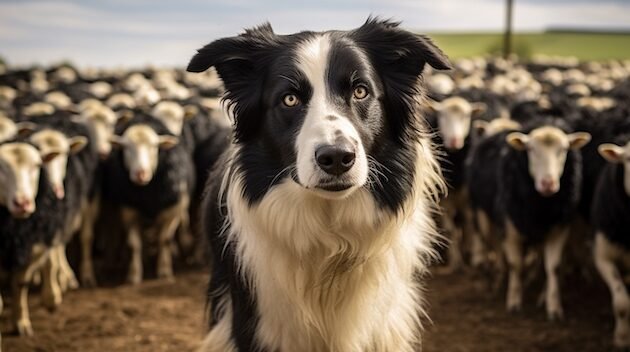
[(548, 186), (60, 193), (22, 203), (142, 175), (335, 159)]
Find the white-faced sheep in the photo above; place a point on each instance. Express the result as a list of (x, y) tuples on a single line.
[(453, 119), (149, 176), (28, 223), (72, 176), (539, 182)]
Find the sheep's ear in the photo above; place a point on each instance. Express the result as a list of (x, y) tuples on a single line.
[(190, 111), (77, 144), (124, 116), (517, 140), (578, 139), (611, 152), (48, 157), (25, 128), (168, 142), (117, 141), (478, 109), (480, 126)]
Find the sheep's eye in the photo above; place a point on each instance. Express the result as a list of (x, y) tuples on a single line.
[(290, 100), (360, 92)]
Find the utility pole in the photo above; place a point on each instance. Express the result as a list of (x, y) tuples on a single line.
[(507, 37)]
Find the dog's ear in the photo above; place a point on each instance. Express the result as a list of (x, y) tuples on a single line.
[(399, 56), (241, 63), (391, 45)]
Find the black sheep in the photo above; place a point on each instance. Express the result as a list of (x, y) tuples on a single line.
[(482, 164), (79, 185), (611, 219), (27, 226), (539, 180), (158, 195)]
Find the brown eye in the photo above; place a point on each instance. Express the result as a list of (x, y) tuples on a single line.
[(290, 100), (360, 92)]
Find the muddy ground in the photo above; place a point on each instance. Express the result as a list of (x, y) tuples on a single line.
[(161, 316)]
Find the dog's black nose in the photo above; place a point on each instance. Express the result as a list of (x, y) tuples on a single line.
[(335, 159)]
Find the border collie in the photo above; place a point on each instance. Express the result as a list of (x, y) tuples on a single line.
[(319, 215)]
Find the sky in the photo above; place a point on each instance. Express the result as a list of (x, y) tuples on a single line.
[(108, 33)]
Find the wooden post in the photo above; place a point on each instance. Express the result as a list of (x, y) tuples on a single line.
[(507, 37)]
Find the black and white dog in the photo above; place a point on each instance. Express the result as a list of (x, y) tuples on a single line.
[(319, 216)]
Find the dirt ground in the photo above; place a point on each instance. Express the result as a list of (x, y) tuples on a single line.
[(160, 316)]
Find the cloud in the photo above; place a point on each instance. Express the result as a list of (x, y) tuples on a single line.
[(122, 32)]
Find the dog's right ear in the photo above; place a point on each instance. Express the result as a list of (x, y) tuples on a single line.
[(240, 62)]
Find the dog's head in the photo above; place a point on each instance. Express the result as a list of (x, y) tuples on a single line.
[(321, 108)]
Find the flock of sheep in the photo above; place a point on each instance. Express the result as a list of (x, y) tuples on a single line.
[(70, 141), (537, 156), (532, 152)]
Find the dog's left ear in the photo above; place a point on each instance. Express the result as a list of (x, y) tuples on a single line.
[(240, 62), (389, 44), (399, 56)]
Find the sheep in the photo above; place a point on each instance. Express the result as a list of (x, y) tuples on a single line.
[(149, 176), (27, 224), (454, 116), (481, 165), (71, 177), (539, 180), (611, 218)]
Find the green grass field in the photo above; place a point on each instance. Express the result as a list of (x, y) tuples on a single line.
[(584, 46)]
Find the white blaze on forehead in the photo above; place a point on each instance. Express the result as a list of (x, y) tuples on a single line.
[(323, 124)]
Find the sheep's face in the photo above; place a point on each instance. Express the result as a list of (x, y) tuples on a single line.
[(20, 165), (58, 99), (141, 147), (102, 120), (51, 141), (39, 109), (172, 116), (618, 154), (490, 128), (454, 116), (8, 129), (547, 149)]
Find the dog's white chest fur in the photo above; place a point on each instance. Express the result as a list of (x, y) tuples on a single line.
[(330, 275)]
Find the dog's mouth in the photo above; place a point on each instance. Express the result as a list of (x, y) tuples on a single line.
[(334, 186)]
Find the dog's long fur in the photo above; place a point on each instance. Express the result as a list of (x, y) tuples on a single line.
[(298, 266)]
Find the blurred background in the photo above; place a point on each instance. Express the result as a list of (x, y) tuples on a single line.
[(101, 64), (134, 33)]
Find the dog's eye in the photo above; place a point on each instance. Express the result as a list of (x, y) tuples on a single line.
[(360, 92), (290, 100)]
